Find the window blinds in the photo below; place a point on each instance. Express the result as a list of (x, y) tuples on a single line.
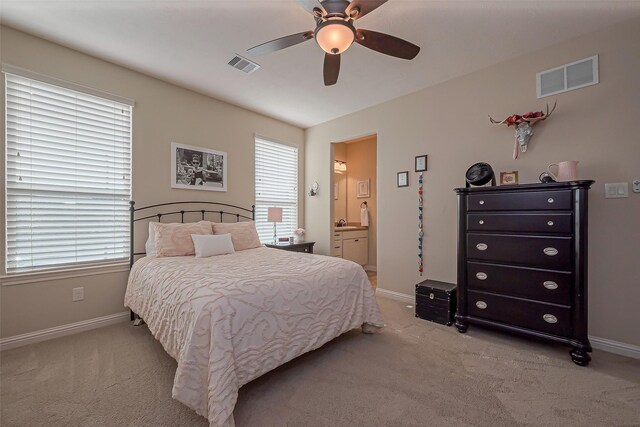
[(276, 186), (68, 176)]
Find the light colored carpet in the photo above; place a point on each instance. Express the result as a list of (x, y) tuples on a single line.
[(415, 373), (373, 278)]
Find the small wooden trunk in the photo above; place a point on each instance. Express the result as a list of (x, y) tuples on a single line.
[(436, 301)]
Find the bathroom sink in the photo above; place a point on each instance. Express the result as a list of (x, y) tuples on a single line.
[(347, 227)]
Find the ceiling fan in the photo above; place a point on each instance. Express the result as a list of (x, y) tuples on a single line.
[(335, 32)]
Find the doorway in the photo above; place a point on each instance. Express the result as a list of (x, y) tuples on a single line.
[(355, 202)]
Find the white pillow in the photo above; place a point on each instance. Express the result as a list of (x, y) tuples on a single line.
[(211, 245), (150, 246)]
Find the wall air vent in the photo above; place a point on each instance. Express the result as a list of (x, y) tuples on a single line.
[(243, 64), (568, 77)]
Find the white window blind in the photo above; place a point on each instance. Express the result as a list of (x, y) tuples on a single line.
[(276, 186), (68, 177)]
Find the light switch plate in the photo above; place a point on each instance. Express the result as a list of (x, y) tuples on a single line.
[(77, 294), (616, 190), (636, 186)]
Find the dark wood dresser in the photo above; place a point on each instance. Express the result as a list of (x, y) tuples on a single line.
[(522, 261)]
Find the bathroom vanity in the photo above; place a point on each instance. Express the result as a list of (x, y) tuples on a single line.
[(352, 243)]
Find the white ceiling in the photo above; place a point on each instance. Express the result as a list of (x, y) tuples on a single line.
[(190, 42)]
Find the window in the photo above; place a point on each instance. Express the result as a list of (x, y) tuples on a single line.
[(276, 186), (68, 177)]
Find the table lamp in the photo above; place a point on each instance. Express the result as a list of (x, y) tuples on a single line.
[(274, 215)]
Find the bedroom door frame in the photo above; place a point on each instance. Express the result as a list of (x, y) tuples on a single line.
[(355, 138)]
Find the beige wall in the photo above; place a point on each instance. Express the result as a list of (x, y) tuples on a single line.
[(595, 125), (361, 165), (163, 113)]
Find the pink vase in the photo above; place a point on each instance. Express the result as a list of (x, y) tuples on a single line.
[(567, 170)]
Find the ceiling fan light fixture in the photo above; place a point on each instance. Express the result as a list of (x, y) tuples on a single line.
[(335, 36)]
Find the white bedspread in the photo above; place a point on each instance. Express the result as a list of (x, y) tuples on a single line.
[(229, 319)]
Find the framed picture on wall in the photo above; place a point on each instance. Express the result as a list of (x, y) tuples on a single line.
[(403, 179), (362, 189), (421, 163), (197, 168)]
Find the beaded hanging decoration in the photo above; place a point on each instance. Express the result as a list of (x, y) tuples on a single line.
[(420, 231)]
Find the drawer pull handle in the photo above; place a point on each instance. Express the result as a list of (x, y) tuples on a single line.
[(481, 246), (481, 305), (481, 222), (481, 202), (550, 251), (550, 318), (550, 223), (481, 275), (550, 200), (550, 284), (336, 247)]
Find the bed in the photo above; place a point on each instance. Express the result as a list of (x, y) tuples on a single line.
[(229, 319)]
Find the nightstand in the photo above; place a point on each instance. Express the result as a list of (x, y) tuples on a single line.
[(294, 247)]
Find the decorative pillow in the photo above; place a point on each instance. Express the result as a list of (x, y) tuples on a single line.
[(207, 246), (174, 239), (243, 234), (150, 246)]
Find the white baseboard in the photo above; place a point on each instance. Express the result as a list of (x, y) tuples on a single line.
[(604, 344), (370, 268), (395, 295), (617, 347), (62, 330)]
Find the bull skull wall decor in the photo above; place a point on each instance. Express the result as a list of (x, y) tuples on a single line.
[(524, 127)]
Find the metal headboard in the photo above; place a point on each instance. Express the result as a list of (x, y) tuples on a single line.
[(133, 210)]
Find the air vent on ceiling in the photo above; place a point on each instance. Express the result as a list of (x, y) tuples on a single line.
[(243, 64), (568, 77)]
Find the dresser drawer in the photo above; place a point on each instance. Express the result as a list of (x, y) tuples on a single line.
[(542, 285), (355, 234), (549, 318), (539, 251), (522, 201), (559, 222)]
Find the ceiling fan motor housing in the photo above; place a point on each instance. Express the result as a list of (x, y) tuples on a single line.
[(335, 8)]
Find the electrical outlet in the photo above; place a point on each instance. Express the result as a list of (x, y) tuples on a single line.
[(77, 294), (636, 186)]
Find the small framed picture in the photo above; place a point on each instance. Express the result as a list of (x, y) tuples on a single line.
[(403, 179), (362, 189), (421, 163), (509, 178)]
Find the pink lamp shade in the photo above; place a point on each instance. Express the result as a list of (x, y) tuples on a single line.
[(274, 214)]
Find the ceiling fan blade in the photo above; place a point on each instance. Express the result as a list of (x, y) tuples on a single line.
[(281, 43), (389, 45), (365, 7), (331, 69), (310, 5)]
